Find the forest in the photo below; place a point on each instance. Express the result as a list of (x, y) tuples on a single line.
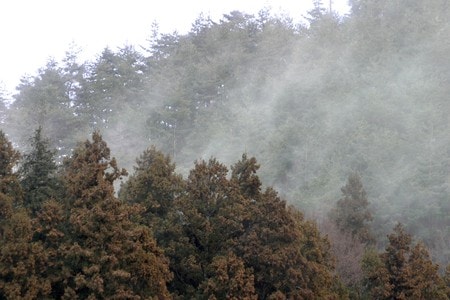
[(250, 158)]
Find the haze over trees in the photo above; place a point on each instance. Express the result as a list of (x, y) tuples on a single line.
[(348, 117)]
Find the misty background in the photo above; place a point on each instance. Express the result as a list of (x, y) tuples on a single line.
[(366, 92)]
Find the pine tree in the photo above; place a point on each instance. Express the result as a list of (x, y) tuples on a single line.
[(45, 100), (426, 281), (244, 175), (107, 253), (228, 278), (37, 173), (351, 213), (196, 235), (154, 184), (404, 271), (21, 259), (226, 238), (376, 276), (396, 261), (10, 190), (23, 262), (50, 228)]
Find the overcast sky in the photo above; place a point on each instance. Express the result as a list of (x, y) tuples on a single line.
[(32, 31)]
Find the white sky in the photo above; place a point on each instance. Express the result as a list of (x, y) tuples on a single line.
[(32, 31)]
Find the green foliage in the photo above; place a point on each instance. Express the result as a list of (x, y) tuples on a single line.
[(352, 214), (154, 184), (226, 238), (45, 101), (37, 173)]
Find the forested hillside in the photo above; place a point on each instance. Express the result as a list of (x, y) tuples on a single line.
[(345, 113)]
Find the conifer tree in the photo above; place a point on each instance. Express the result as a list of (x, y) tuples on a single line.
[(45, 100), (51, 230), (23, 262), (447, 279), (376, 276), (396, 260), (154, 184), (351, 213), (37, 172), (228, 279), (107, 254), (425, 279), (405, 272), (21, 259), (244, 175), (226, 238), (197, 224), (10, 191)]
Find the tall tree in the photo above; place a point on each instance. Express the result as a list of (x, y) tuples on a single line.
[(44, 100), (23, 262), (10, 190), (406, 271), (352, 214), (154, 184), (37, 172), (226, 238), (107, 253)]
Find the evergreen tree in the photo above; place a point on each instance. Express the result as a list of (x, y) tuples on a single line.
[(23, 262), (45, 101), (107, 254), (244, 175), (376, 276), (154, 184), (351, 213), (404, 271), (396, 261), (10, 191), (225, 238), (21, 259), (426, 280), (228, 279), (37, 173), (50, 228), (447, 280)]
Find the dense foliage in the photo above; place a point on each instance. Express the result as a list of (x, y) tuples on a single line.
[(364, 94), (204, 237), (213, 235)]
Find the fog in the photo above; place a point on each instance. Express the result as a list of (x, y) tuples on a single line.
[(364, 93)]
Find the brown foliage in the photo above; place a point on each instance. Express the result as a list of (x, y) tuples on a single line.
[(404, 271), (107, 254), (23, 263), (226, 238)]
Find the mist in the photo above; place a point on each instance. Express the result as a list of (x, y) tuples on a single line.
[(366, 93)]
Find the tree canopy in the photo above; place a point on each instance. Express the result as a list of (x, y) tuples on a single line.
[(365, 93)]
